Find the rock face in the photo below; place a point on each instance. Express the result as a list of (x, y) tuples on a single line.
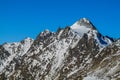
[(78, 52)]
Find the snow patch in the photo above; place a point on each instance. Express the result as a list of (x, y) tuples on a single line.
[(80, 29), (91, 78)]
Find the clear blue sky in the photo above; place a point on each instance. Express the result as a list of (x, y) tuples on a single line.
[(27, 18)]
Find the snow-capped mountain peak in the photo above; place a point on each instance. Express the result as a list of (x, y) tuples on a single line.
[(85, 26), (82, 26), (78, 52)]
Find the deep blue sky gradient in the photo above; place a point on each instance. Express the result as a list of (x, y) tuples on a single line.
[(27, 18)]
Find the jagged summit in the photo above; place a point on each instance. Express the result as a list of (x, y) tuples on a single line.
[(84, 20)]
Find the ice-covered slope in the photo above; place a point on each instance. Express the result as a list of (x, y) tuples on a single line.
[(82, 26), (73, 53)]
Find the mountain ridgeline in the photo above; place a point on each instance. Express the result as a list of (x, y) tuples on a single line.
[(78, 52)]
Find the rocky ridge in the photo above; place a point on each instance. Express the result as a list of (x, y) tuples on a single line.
[(78, 52)]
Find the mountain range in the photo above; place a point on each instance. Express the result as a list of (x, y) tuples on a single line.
[(77, 52)]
